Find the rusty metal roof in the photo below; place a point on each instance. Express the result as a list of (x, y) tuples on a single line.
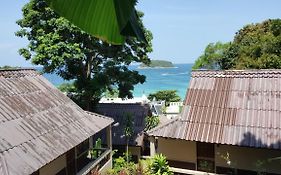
[(38, 123), (230, 107), (117, 111)]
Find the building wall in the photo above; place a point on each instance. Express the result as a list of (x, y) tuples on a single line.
[(54, 166), (178, 150), (248, 158), (135, 150), (240, 157)]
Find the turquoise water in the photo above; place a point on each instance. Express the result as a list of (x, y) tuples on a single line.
[(156, 79)]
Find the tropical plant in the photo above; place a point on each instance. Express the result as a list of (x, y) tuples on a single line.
[(93, 65), (96, 151), (159, 165), (151, 122), (165, 95), (122, 167), (128, 131), (109, 20)]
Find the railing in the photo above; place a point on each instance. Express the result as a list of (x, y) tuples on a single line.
[(185, 171), (97, 162)]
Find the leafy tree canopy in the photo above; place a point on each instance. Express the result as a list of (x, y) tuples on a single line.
[(211, 56), (166, 95), (64, 49), (255, 46)]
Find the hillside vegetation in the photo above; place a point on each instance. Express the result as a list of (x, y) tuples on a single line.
[(158, 63), (255, 46)]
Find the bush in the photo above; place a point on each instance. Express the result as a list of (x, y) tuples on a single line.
[(159, 165), (122, 167)]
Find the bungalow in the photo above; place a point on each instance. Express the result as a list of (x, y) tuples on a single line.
[(230, 124), (43, 132), (118, 112)]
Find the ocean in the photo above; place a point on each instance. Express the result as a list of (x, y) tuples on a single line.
[(176, 78)]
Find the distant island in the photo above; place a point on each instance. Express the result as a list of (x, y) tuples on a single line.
[(158, 64)]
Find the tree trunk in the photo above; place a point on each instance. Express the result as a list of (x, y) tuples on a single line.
[(87, 96), (127, 150)]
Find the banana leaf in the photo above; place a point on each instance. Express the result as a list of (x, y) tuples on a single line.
[(109, 20)]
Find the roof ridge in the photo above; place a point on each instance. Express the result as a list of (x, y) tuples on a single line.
[(162, 125), (18, 72), (244, 73), (99, 115), (218, 124)]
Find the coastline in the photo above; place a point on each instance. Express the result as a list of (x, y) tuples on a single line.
[(157, 67)]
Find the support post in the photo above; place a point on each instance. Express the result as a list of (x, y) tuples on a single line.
[(152, 146), (109, 142)]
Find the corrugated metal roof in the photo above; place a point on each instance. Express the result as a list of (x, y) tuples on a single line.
[(117, 111), (230, 107), (38, 123)]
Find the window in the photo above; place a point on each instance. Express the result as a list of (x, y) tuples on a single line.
[(205, 157)]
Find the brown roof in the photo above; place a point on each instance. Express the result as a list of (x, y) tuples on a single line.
[(38, 123), (230, 107), (117, 111)]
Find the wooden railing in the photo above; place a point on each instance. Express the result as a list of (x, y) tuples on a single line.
[(193, 172), (97, 162)]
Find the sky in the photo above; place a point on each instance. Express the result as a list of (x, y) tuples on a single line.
[(181, 28)]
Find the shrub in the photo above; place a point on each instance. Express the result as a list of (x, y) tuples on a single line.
[(159, 165)]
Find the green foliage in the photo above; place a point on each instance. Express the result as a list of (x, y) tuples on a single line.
[(213, 53), (128, 131), (8, 67), (159, 165), (128, 126), (67, 87), (93, 65), (166, 95), (109, 20), (111, 93), (151, 122), (255, 46), (121, 166), (96, 151), (158, 63)]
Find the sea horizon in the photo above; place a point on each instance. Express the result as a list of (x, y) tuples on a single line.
[(174, 78)]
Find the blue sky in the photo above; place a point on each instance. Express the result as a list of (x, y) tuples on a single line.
[(181, 28)]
